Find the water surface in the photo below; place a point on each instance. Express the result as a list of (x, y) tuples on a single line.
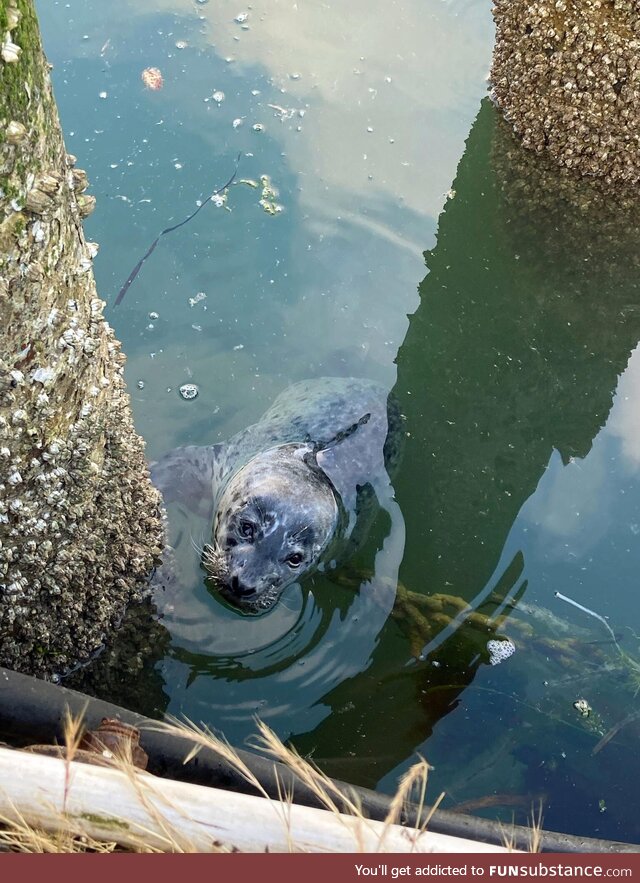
[(512, 353)]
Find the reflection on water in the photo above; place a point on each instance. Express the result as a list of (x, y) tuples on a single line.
[(519, 478), (507, 375)]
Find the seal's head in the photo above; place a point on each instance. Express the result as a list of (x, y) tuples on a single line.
[(273, 521)]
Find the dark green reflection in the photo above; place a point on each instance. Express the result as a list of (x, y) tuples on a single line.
[(526, 319), (527, 316)]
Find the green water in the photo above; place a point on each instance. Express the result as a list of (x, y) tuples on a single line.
[(516, 371)]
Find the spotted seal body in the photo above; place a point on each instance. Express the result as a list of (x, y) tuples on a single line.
[(286, 493)]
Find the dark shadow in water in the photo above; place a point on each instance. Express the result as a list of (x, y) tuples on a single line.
[(527, 317)]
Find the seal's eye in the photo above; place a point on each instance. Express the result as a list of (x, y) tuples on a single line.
[(246, 530), (295, 560)]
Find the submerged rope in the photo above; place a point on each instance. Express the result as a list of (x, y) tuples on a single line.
[(151, 249)]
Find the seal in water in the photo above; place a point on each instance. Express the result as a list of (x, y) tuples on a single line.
[(285, 494)]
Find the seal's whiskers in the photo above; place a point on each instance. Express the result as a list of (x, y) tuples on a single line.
[(214, 562), (196, 547)]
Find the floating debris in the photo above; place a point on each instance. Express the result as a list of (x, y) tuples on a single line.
[(283, 113), (152, 78), (271, 208), (153, 316), (294, 76), (241, 18), (189, 391), (500, 650), (257, 127), (219, 199), (102, 94), (140, 384), (196, 300), (237, 122), (269, 196), (218, 96), (583, 707), (181, 44)]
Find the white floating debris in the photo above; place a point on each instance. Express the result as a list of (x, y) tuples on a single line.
[(177, 165), (153, 316), (140, 384), (102, 94), (181, 44), (218, 96), (500, 650), (196, 300), (583, 707), (241, 17), (188, 391), (257, 127), (283, 113), (239, 346), (294, 76), (237, 122)]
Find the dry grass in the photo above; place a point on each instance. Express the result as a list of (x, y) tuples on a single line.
[(17, 835), (535, 832)]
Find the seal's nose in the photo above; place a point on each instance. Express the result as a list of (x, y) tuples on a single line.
[(239, 589)]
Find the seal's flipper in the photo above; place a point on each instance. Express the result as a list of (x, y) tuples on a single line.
[(341, 435), (186, 476)]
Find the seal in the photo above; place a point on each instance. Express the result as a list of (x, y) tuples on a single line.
[(286, 494)]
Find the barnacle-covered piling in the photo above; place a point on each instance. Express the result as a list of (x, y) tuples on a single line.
[(566, 73), (79, 525)]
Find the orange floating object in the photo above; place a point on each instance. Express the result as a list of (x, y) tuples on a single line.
[(152, 78)]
